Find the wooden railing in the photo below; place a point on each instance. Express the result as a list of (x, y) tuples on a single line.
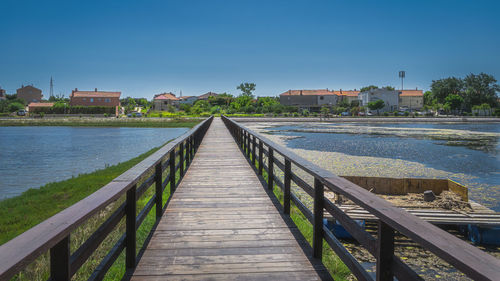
[(53, 234), (463, 256)]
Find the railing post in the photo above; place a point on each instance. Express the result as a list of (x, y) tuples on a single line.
[(192, 147), (172, 171), (159, 191), (385, 252), (188, 153), (261, 161), (59, 261), (253, 150), (318, 219), (248, 144), (286, 195), (181, 159), (243, 133), (270, 172), (130, 241)]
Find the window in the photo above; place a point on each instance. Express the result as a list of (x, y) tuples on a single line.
[(84, 99), (91, 99), (99, 99), (321, 97), (107, 100)]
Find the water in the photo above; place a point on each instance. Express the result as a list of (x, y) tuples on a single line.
[(33, 156), (467, 152)]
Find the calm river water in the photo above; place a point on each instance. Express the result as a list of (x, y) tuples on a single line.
[(466, 152), (33, 156)]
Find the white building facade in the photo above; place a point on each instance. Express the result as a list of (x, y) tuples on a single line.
[(390, 98)]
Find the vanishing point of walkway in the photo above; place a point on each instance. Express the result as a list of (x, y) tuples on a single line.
[(221, 225)]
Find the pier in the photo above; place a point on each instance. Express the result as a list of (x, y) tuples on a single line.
[(221, 219)]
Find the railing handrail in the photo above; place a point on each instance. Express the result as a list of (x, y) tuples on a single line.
[(465, 257), (26, 247)]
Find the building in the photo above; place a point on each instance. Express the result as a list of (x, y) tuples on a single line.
[(94, 98), (349, 96), (390, 98), (162, 101), (36, 106), (188, 99), (2, 94), (411, 99), (29, 94), (311, 100), (207, 95)]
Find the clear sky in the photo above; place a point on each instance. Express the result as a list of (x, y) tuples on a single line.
[(146, 47)]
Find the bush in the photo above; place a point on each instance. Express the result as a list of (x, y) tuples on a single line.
[(407, 113), (386, 113), (15, 106)]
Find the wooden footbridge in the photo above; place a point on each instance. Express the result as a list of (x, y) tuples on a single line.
[(211, 195)]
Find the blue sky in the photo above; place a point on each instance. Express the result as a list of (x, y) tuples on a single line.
[(146, 47)]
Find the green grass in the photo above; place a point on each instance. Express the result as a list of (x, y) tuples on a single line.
[(103, 122), (20, 213)]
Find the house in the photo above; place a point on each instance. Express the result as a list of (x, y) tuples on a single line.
[(187, 99), (94, 98), (411, 99), (207, 95), (349, 96), (29, 94), (309, 99), (35, 107), (162, 101), (2, 94), (390, 98)]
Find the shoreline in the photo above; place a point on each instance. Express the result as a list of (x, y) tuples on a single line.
[(187, 122), (371, 119)]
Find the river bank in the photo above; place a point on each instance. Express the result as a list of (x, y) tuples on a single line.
[(370, 119), (103, 122)]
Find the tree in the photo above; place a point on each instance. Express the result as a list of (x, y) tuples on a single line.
[(389, 88), (325, 111), (448, 86), (479, 89), (367, 88), (376, 105), (15, 106), (246, 89), (428, 98), (455, 101)]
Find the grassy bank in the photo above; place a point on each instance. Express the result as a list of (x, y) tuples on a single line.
[(104, 122), (20, 213)]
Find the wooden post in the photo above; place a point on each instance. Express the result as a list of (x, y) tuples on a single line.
[(270, 172), (181, 159), (159, 191), (188, 153), (192, 147), (261, 160), (130, 241), (385, 252), (254, 142), (172, 171), (287, 192), (248, 144), (59, 261), (318, 219)]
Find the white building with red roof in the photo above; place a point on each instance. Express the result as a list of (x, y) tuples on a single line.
[(162, 101)]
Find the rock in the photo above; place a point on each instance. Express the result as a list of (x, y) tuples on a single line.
[(429, 196)]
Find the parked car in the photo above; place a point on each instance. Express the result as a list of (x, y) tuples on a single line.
[(21, 112), (345, 113), (134, 114)]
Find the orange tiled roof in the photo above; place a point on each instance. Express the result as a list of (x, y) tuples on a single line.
[(166, 96), (41, 104), (321, 92), (207, 95), (411, 93), (98, 94), (347, 93)]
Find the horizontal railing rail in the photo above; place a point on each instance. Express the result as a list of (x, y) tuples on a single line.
[(463, 256), (53, 234)]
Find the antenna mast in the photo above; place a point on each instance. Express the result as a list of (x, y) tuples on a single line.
[(51, 87)]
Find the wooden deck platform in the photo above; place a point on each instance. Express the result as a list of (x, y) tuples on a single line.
[(222, 225)]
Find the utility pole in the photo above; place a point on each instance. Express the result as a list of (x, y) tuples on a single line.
[(51, 87), (402, 75)]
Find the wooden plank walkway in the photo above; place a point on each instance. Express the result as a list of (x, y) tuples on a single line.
[(222, 225)]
